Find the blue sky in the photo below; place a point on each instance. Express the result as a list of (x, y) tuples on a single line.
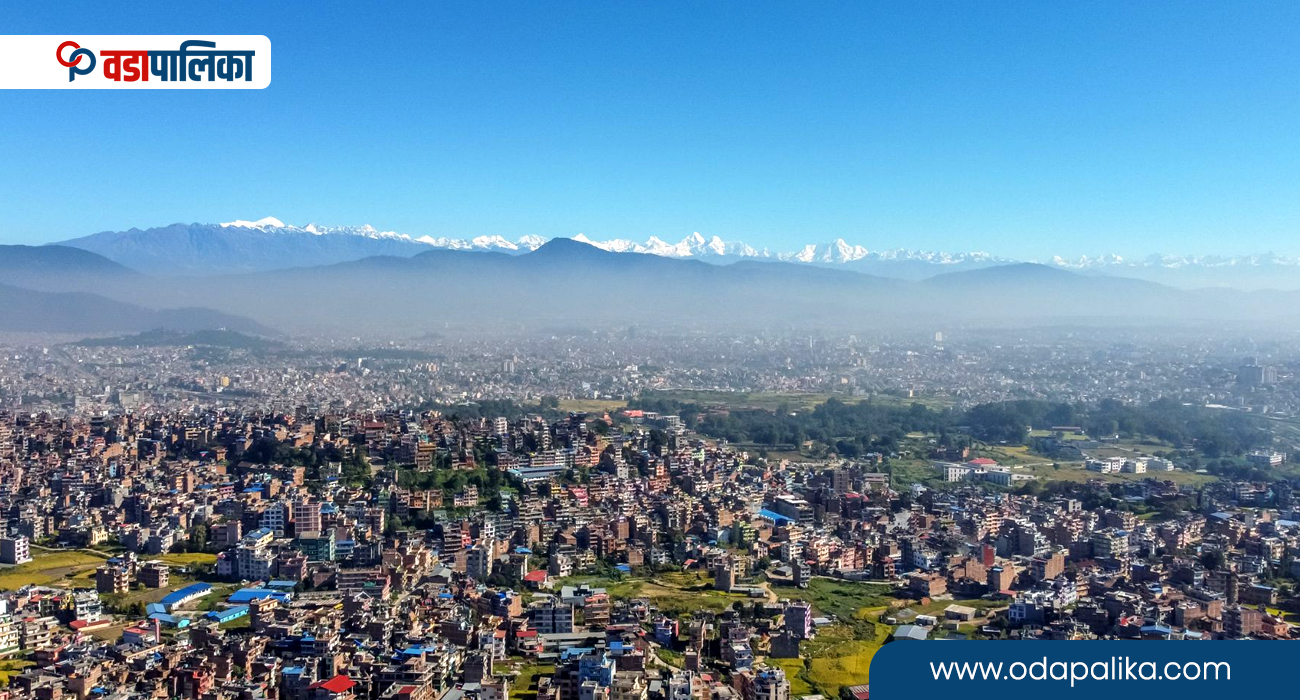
[(1024, 129)]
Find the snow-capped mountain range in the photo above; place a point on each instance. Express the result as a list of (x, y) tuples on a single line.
[(269, 243), (273, 224), (694, 245)]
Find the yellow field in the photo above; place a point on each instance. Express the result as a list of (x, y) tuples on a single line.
[(109, 633), (186, 559), (50, 566), (851, 667), (836, 659), (794, 672), (12, 667)]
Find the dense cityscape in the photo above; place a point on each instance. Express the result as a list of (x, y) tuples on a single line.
[(624, 515)]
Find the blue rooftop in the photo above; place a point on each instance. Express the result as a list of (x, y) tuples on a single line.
[(183, 594), (773, 515), (247, 595), (228, 614)]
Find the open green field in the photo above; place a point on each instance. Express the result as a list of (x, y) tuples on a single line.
[(767, 401), (673, 658), (186, 558), (674, 593), (219, 593), (770, 401), (622, 588), (109, 633), (1010, 455), (936, 607), (592, 405), (238, 623), (154, 595), (12, 667), (841, 654), (840, 657), (1288, 617), (845, 600), (795, 672), (51, 566), (1076, 437), (524, 685)]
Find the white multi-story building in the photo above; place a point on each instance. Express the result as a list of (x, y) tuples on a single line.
[(273, 519), (9, 637), (15, 550)]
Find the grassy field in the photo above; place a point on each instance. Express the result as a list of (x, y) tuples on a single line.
[(238, 623), (154, 595), (110, 633), (767, 401), (596, 406), (673, 658), (796, 673), (674, 593), (936, 607), (839, 656), (1076, 437), (186, 558), (50, 566), (1010, 455), (843, 599), (798, 401), (524, 685), (1289, 617), (625, 587), (220, 591), (12, 667)]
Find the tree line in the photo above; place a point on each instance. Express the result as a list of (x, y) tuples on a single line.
[(853, 428)]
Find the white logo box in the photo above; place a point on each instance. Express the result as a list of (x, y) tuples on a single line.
[(231, 62)]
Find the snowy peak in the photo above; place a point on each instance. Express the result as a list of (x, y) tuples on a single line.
[(267, 222), (272, 224), (837, 251), (531, 242)]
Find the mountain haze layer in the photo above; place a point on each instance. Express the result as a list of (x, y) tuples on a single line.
[(570, 284)]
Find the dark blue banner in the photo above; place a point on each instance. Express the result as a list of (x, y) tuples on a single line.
[(989, 669)]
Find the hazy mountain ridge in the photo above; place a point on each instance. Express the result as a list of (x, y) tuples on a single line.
[(574, 284), (164, 337), (58, 268), (568, 282), (28, 310)]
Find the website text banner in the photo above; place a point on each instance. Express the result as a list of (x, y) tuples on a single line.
[(135, 62), (977, 670)]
